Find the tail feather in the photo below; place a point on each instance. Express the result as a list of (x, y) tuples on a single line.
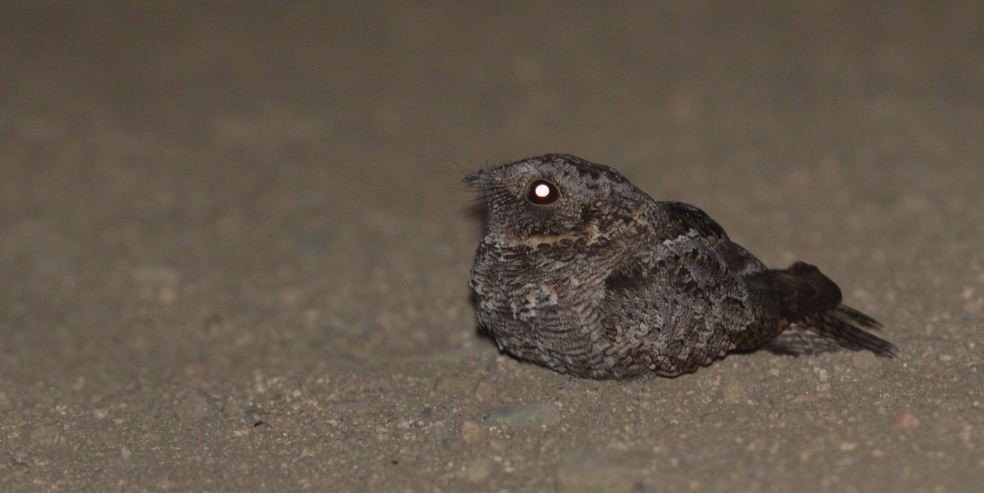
[(857, 317), (799, 291), (818, 322), (848, 333)]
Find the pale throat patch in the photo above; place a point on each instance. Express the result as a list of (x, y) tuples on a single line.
[(589, 233)]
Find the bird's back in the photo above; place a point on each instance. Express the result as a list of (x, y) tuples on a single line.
[(694, 295), (684, 298)]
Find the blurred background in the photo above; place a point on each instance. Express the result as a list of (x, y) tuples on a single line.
[(203, 201)]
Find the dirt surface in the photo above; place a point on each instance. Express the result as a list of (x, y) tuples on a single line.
[(234, 246)]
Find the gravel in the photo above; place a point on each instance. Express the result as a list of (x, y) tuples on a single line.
[(234, 243)]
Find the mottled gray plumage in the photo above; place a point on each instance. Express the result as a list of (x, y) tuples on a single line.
[(584, 273)]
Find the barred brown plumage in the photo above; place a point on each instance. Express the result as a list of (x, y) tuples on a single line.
[(584, 273)]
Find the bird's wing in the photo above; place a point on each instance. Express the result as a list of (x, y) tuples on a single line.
[(682, 296), (681, 218), (722, 283)]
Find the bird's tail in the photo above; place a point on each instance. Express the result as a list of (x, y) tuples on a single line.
[(841, 327), (810, 304)]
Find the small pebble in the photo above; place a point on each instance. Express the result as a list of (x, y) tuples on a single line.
[(193, 407), (906, 421), (471, 432), (483, 391), (479, 469), (47, 437), (734, 393)]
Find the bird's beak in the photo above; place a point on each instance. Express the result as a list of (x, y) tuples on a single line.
[(478, 179)]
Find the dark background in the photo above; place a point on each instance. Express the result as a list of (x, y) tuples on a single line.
[(234, 245)]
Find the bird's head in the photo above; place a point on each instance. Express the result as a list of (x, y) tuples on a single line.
[(554, 195)]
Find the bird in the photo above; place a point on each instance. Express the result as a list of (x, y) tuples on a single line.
[(584, 273)]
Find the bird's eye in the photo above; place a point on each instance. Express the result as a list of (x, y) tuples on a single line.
[(542, 192)]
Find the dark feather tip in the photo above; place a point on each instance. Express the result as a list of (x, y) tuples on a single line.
[(858, 317)]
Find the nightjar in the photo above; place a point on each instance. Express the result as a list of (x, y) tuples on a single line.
[(584, 273)]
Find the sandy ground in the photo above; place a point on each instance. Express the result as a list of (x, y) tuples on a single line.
[(234, 245)]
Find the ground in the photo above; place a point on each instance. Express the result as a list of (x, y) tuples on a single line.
[(234, 243)]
